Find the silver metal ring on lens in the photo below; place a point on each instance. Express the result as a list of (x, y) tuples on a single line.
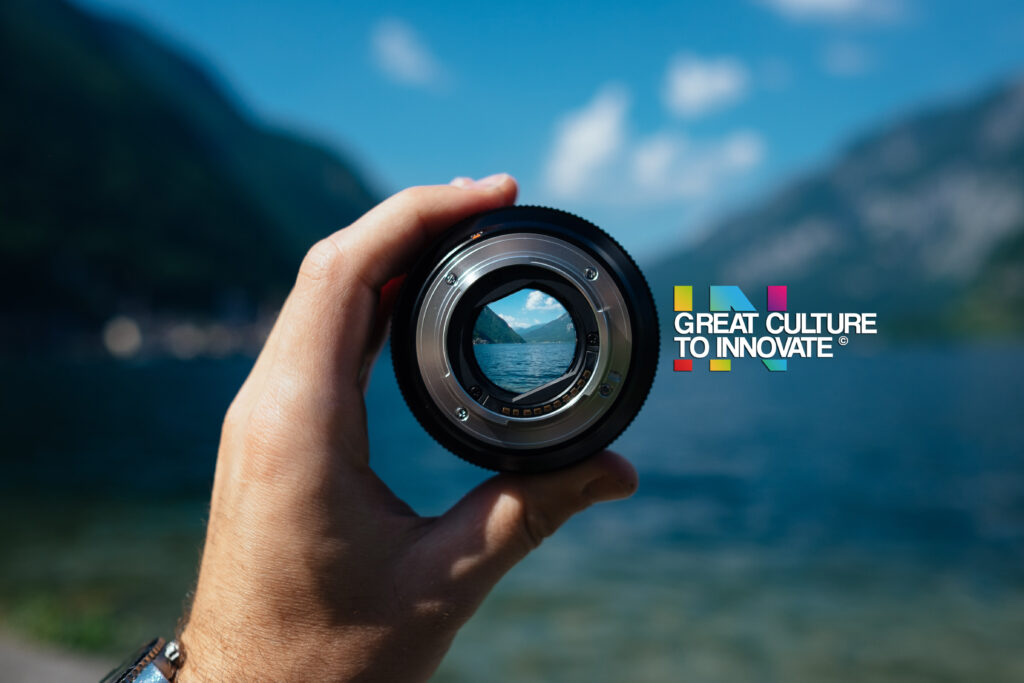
[(563, 259), (465, 290)]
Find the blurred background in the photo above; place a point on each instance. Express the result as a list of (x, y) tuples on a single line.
[(165, 163)]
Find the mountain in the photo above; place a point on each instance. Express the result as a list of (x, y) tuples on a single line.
[(558, 330), (491, 329), (129, 179), (921, 221)]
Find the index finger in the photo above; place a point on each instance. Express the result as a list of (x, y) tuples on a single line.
[(328, 319), (380, 245)]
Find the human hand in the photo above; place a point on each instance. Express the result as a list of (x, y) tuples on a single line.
[(313, 568)]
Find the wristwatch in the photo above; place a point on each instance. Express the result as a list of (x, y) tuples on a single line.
[(155, 662)]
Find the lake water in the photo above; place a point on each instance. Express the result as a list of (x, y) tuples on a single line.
[(521, 367), (852, 519)]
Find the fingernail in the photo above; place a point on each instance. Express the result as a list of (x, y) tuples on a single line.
[(462, 181), (608, 487), (493, 180)]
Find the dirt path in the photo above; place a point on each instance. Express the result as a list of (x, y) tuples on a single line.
[(22, 662)]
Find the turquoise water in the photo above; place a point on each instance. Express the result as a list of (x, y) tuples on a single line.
[(860, 518), (522, 367)]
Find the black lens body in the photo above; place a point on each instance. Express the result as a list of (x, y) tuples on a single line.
[(477, 262)]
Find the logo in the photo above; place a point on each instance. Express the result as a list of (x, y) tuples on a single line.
[(733, 328)]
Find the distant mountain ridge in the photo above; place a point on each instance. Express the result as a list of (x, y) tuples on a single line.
[(922, 221), (129, 180), (558, 330)]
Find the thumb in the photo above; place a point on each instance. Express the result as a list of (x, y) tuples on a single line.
[(497, 524)]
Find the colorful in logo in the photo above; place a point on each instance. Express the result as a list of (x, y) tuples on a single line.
[(724, 298)]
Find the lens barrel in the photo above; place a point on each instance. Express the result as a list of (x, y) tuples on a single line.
[(479, 262)]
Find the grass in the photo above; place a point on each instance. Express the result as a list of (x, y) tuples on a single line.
[(94, 575)]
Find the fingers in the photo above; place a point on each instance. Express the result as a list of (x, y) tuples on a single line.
[(381, 327), (328, 321), (497, 524), (380, 245)]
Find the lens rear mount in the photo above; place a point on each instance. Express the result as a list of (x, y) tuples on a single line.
[(492, 287), (477, 263)]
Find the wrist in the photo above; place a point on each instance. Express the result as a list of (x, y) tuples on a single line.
[(232, 651), (205, 660)]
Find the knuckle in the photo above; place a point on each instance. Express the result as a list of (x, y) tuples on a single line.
[(521, 520), (322, 261), (536, 525), (412, 202), (412, 196), (233, 418)]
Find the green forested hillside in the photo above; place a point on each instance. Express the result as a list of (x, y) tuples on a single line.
[(129, 180), (491, 329)]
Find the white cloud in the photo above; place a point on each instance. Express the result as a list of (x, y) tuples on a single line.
[(518, 323), (539, 301), (696, 86), (399, 53), (653, 158), (595, 159), (666, 166), (844, 58), (838, 10), (586, 140)]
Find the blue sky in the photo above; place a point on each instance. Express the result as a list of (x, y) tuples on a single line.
[(526, 308), (650, 119)]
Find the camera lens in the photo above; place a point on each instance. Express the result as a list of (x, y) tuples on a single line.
[(525, 339)]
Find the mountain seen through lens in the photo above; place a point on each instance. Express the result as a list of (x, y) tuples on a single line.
[(524, 340)]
